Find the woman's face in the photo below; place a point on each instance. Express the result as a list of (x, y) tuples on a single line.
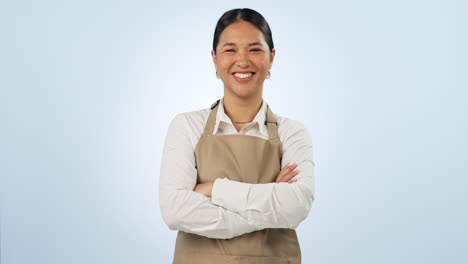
[(242, 59)]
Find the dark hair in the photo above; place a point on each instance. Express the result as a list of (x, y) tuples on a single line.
[(243, 14)]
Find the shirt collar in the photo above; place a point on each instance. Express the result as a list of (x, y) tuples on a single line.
[(259, 118)]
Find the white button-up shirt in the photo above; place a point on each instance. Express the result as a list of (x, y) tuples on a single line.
[(235, 208)]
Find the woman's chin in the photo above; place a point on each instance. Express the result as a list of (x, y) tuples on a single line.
[(244, 91)]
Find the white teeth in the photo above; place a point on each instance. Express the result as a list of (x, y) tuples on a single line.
[(243, 75)]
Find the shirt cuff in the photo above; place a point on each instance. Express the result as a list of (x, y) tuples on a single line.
[(232, 195)]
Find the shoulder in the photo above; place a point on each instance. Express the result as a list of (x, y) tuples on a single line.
[(193, 120), (291, 130), (189, 125), (285, 124), (187, 119)]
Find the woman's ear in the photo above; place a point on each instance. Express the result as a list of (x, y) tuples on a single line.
[(272, 56), (213, 56)]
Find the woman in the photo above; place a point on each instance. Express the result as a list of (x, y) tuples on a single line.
[(236, 179)]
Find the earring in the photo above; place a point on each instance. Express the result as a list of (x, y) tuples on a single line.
[(268, 75), (217, 75)]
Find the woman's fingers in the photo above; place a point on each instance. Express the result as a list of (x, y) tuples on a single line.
[(283, 172), (290, 176), (293, 180), (287, 173)]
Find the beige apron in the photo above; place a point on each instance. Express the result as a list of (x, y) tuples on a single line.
[(247, 159)]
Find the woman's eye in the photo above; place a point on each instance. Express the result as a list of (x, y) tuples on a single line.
[(255, 50)]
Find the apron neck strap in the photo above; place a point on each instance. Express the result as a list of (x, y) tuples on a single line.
[(211, 119), (270, 121)]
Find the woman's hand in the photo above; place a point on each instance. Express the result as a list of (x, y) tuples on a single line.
[(287, 173), (204, 188)]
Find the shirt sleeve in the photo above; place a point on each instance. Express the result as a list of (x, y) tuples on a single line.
[(182, 208), (274, 205)]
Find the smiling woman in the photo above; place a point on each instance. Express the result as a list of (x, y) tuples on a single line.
[(243, 59), (237, 179)]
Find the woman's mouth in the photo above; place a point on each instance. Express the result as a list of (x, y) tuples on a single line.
[(243, 77)]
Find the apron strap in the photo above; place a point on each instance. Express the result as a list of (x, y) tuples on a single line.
[(272, 125), (211, 119), (270, 121)]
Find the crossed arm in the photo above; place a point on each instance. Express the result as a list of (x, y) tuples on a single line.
[(235, 208), (285, 175)]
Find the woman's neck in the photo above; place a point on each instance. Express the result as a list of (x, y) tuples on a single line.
[(242, 109)]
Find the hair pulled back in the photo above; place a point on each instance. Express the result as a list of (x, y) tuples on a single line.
[(243, 14)]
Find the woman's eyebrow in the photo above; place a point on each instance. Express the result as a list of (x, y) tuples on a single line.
[(229, 44), (255, 43), (234, 44)]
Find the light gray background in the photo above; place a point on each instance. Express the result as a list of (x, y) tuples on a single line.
[(88, 89)]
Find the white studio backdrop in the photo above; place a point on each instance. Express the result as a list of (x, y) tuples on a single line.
[(88, 89)]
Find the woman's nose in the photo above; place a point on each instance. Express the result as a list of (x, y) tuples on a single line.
[(243, 59)]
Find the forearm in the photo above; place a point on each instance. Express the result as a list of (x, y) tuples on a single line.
[(269, 205), (193, 212)]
